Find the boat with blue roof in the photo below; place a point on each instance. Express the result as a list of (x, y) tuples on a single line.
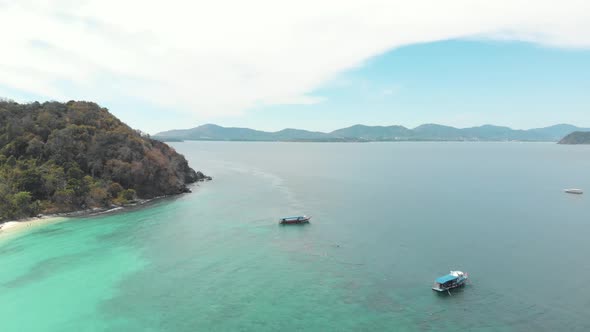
[(294, 220), (452, 280)]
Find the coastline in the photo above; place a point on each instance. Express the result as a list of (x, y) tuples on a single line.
[(11, 227)]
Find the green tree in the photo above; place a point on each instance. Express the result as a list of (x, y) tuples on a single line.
[(11, 161), (22, 204), (60, 157)]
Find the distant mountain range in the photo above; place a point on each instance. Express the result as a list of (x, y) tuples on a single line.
[(362, 133)]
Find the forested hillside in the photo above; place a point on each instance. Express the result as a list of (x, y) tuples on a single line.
[(577, 137), (57, 157)]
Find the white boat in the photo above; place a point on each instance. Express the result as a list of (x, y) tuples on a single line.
[(574, 191)]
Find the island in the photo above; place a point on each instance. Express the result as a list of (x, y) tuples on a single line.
[(62, 157), (577, 137), (363, 133)]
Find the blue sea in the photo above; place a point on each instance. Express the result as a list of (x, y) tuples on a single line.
[(387, 219)]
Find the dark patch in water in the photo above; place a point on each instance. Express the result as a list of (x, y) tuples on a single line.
[(44, 269), (111, 236), (7, 250), (50, 231)]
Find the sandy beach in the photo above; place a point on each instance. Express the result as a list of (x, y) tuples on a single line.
[(12, 227), (15, 226)]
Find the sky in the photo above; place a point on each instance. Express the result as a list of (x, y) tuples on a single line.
[(317, 65)]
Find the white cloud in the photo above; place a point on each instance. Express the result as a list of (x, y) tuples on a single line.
[(222, 57)]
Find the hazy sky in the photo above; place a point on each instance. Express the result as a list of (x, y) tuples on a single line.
[(310, 64)]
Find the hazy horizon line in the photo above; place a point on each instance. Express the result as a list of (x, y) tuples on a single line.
[(390, 125)]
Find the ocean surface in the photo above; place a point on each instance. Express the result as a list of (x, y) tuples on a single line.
[(388, 218)]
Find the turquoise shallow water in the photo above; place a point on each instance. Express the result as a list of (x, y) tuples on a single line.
[(387, 219)]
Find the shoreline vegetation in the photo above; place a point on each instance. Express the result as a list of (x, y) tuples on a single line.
[(13, 226), (60, 158)]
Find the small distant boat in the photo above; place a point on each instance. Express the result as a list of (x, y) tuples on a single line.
[(294, 220), (574, 191), (452, 280)]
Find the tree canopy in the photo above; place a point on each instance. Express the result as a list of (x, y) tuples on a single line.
[(58, 157)]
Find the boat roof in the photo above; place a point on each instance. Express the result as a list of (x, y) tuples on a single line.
[(447, 278), (293, 217)]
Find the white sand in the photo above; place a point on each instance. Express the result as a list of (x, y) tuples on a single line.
[(12, 227)]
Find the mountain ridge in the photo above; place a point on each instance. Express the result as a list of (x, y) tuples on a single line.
[(577, 137), (365, 133)]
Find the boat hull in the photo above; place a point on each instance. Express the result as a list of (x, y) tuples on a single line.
[(446, 289), (294, 221)]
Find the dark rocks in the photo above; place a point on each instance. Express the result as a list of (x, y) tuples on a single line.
[(202, 177)]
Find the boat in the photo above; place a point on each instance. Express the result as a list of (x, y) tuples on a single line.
[(294, 220), (574, 191), (452, 280)]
